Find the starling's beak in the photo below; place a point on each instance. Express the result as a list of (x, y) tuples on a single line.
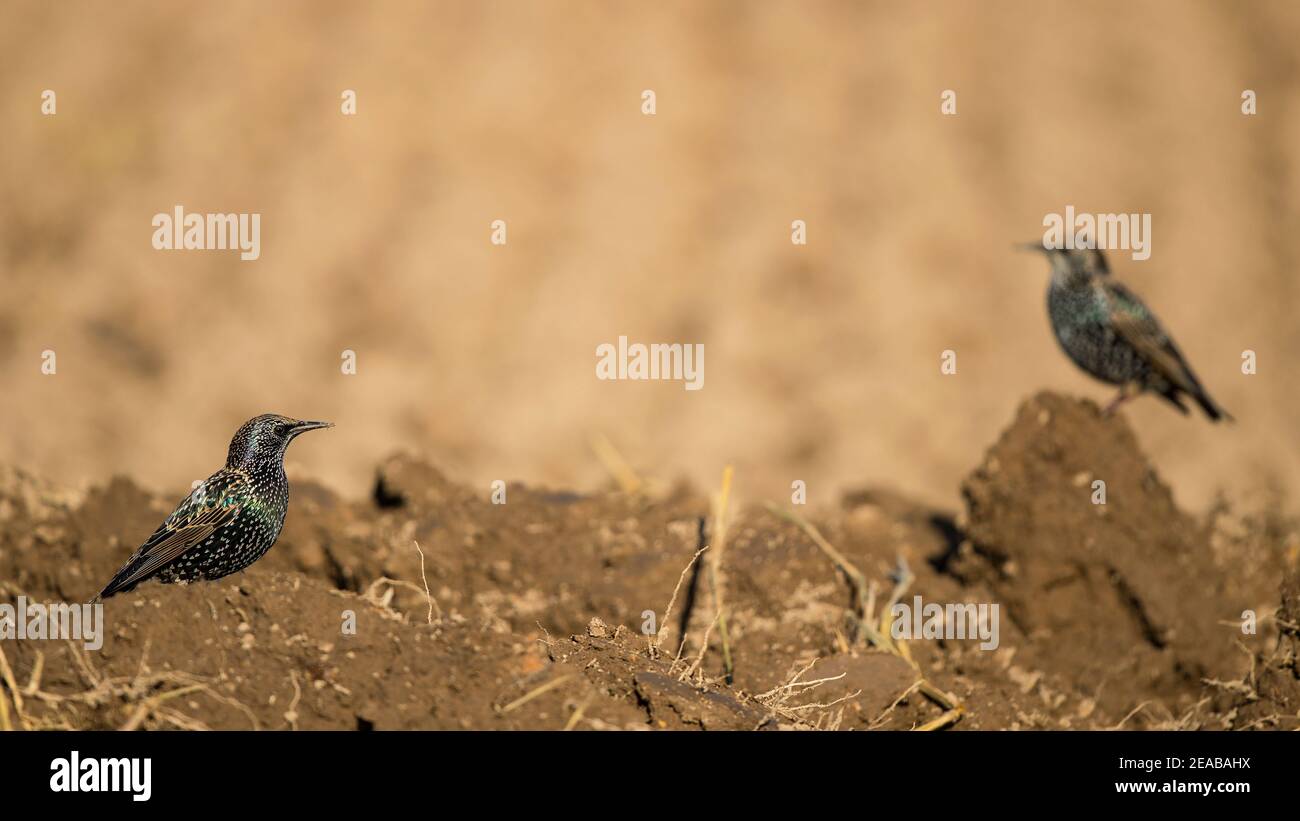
[(304, 426), (1032, 246)]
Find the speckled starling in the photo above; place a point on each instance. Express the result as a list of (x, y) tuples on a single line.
[(1112, 335), (229, 520)]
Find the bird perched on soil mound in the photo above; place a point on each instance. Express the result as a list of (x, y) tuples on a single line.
[(229, 520), (1112, 335)]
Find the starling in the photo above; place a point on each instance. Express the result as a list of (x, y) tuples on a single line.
[(1112, 335), (229, 520)]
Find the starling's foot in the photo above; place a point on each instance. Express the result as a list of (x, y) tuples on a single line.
[(1125, 393)]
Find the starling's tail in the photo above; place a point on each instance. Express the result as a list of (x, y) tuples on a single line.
[(1211, 407), (1174, 398), (1192, 387), (119, 584)]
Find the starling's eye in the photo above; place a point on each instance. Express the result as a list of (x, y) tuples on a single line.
[(282, 430)]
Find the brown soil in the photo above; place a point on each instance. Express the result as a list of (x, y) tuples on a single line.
[(1121, 614)]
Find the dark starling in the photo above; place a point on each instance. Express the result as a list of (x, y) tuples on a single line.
[(1112, 335), (230, 520)]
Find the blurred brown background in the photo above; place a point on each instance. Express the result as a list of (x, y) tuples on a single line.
[(822, 362)]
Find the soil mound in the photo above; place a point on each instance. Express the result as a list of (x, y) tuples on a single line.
[(426, 605)]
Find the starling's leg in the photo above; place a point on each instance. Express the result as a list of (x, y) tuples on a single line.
[(1126, 392)]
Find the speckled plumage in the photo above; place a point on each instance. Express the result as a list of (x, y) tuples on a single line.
[(1112, 335), (229, 520)]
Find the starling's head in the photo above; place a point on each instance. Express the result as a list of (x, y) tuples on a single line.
[(264, 438), (1072, 266)]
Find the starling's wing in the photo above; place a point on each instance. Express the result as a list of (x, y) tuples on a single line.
[(1138, 326), (212, 504)]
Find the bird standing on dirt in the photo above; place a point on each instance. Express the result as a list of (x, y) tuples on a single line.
[(230, 520), (1112, 335)]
